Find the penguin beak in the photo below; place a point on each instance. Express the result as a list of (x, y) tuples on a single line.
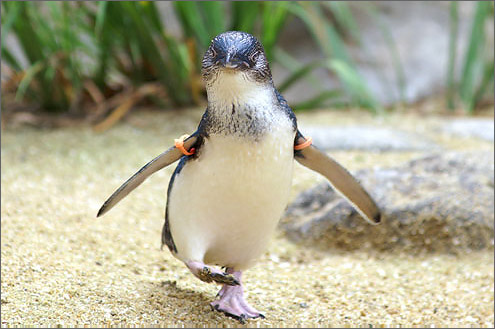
[(232, 61)]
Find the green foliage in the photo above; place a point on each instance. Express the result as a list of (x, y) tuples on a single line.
[(478, 62), (202, 21), (76, 49), (140, 35), (128, 40), (53, 76), (338, 60)]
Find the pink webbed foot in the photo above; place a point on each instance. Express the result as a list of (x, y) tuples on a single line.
[(232, 301)]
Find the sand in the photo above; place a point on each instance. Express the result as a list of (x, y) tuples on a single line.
[(61, 266)]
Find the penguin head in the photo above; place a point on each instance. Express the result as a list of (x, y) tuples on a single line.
[(236, 53)]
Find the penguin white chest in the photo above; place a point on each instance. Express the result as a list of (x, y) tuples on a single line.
[(225, 205)]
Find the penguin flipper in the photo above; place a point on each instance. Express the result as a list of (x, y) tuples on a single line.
[(340, 179), (166, 158)]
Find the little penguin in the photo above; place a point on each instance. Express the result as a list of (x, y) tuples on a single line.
[(233, 179)]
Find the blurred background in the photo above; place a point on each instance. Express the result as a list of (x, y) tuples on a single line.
[(98, 60)]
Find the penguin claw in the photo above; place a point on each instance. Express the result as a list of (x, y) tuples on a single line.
[(241, 318)]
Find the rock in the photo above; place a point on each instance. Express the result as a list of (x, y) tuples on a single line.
[(470, 127), (441, 202), (367, 138)]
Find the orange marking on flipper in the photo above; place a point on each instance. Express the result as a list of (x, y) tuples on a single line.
[(179, 143), (301, 146)]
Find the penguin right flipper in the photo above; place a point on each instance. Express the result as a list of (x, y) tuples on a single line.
[(340, 179), (166, 158)]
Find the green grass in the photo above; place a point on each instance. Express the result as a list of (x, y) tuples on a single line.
[(53, 76), (83, 53), (127, 42), (477, 71)]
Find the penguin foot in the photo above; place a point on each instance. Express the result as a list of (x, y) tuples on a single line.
[(232, 302), (211, 274)]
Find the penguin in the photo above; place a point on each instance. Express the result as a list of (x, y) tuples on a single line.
[(232, 183)]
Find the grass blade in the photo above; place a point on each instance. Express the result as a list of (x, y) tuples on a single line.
[(11, 60), (453, 35), (28, 77), (292, 65), (101, 16), (12, 10), (104, 43), (151, 13), (244, 15), (214, 17), (344, 17), (354, 85), (28, 37), (488, 76), (472, 60), (274, 15), (192, 22), (319, 100), (299, 74)]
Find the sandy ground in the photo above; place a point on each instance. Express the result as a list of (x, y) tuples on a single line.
[(61, 266)]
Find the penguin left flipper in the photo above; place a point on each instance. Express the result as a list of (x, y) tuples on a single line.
[(340, 179), (166, 158)]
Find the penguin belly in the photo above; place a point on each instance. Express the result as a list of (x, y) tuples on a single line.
[(225, 205)]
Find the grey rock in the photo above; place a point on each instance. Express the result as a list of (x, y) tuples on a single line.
[(441, 202), (367, 138), (470, 127)]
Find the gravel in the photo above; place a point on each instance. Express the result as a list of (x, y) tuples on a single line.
[(63, 267)]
